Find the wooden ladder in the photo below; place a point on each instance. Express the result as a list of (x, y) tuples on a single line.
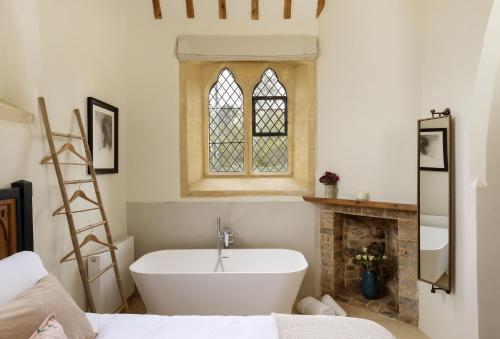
[(53, 158)]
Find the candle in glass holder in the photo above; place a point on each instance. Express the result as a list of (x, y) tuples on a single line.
[(362, 196)]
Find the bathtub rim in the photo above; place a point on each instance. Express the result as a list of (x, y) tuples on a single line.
[(304, 268), (442, 244)]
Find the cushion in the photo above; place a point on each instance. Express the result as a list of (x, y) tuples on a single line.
[(22, 316), (19, 273), (49, 329)]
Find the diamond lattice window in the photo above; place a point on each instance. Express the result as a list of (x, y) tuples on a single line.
[(226, 130), (270, 125)]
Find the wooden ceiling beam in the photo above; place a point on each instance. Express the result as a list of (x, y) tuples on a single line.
[(287, 13), (157, 9), (222, 9), (319, 9), (255, 9), (189, 9)]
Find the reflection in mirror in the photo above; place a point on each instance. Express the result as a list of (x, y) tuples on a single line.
[(435, 201)]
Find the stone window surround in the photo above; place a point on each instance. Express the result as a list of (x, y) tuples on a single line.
[(196, 77)]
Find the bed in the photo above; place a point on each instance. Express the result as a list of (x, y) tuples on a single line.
[(22, 271)]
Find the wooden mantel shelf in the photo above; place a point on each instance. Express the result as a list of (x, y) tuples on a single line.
[(372, 204)]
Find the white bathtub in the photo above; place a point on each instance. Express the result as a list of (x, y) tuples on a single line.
[(254, 281), (433, 252)]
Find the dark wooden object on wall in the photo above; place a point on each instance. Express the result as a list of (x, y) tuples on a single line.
[(255, 9), (222, 9), (319, 9), (157, 9), (189, 9), (8, 227), (16, 219), (287, 13)]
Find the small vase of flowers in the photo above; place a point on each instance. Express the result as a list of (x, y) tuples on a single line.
[(371, 258), (330, 180)]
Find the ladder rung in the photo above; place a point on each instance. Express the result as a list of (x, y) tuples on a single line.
[(89, 227), (65, 135), (120, 308), (85, 256), (101, 273), (78, 211), (68, 163), (75, 182)]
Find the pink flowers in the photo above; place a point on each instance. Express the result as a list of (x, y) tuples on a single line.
[(329, 178)]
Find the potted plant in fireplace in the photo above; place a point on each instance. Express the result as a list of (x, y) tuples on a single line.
[(370, 258), (330, 180)]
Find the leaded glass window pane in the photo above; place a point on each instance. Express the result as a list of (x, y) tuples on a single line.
[(270, 125), (226, 131)]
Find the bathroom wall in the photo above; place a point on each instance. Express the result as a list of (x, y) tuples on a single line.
[(158, 226), (488, 232), (368, 96), (452, 39), (153, 79), (64, 52), (368, 100)]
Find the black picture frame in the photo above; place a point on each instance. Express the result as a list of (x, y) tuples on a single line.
[(444, 132), (91, 103)]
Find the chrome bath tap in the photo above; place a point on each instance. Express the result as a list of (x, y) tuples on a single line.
[(226, 237)]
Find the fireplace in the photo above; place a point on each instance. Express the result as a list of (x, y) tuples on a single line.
[(345, 228)]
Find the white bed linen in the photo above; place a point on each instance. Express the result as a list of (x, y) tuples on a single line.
[(134, 326)]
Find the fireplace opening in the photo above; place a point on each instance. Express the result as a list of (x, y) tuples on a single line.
[(359, 232), (345, 230)]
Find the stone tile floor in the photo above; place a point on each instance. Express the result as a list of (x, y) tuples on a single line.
[(384, 305)]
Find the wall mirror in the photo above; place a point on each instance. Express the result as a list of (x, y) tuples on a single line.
[(435, 202)]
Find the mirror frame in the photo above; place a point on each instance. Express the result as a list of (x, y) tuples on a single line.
[(451, 205)]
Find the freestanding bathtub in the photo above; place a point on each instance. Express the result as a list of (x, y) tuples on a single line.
[(254, 281), (433, 252)]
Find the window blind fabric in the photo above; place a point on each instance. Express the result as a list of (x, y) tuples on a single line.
[(246, 48)]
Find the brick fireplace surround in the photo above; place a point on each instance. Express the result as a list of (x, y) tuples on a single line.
[(346, 226)]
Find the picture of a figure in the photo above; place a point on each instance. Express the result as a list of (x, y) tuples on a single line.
[(433, 149), (103, 136)]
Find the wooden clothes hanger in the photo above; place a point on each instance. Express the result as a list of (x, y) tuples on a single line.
[(89, 238), (78, 194), (69, 148)]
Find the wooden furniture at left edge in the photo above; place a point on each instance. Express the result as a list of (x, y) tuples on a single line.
[(68, 211), (16, 219)]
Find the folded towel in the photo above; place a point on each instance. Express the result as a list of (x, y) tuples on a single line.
[(324, 327), (312, 306), (327, 300)]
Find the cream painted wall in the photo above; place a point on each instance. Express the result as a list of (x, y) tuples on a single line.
[(369, 84), (368, 97), (65, 53), (153, 80), (488, 230), (452, 39)]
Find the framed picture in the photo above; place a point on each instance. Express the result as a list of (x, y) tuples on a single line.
[(102, 126), (433, 149)]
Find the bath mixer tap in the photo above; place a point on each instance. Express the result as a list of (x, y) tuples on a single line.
[(227, 237)]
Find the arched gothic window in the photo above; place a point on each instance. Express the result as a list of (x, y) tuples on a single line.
[(225, 127), (270, 125)]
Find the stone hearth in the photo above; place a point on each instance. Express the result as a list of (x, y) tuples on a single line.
[(345, 228)]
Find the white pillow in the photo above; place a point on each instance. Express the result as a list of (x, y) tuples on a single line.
[(18, 273)]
